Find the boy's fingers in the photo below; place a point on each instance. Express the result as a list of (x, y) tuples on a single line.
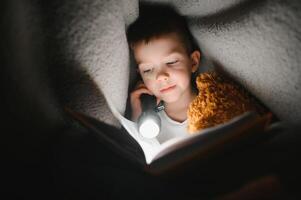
[(158, 101), (140, 91)]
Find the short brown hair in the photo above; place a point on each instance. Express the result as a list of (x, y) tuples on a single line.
[(155, 20)]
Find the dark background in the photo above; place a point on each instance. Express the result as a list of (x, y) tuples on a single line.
[(48, 156)]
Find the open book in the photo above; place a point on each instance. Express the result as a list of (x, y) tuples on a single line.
[(177, 150)]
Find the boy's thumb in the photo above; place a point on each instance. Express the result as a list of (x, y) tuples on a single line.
[(158, 101)]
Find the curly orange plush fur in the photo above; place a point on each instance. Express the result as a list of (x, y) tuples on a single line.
[(218, 101)]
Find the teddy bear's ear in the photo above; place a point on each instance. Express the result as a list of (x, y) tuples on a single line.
[(195, 58)]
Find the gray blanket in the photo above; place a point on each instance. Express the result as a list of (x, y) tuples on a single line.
[(257, 42)]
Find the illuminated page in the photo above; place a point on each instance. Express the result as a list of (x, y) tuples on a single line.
[(149, 146), (205, 136)]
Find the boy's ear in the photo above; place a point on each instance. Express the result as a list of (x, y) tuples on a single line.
[(195, 58)]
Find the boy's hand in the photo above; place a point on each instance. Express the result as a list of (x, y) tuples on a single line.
[(135, 99)]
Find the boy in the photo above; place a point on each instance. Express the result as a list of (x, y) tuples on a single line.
[(167, 56)]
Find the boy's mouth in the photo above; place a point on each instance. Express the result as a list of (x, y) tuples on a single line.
[(167, 89)]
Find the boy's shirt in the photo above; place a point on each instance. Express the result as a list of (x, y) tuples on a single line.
[(170, 128)]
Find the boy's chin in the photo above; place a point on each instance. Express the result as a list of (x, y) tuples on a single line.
[(171, 99)]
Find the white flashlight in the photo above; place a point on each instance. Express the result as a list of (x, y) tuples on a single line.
[(149, 123)]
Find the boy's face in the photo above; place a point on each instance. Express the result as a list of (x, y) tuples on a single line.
[(166, 67)]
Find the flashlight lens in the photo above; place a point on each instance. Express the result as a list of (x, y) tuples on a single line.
[(149, 128)]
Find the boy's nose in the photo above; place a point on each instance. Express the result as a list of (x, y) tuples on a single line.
[(162, 76)]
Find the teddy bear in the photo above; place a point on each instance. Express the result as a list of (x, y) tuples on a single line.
[(219, 100)]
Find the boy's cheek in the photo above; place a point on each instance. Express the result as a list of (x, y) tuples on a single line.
[(149, 77), (150, 86)]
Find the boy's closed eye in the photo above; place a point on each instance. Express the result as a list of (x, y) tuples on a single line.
[(146, 71), (172, 62)]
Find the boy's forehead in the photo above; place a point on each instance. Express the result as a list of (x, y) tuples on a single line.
[(172, 36), (162, 45)]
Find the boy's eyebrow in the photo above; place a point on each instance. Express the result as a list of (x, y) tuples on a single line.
[(141, 63), (173, 53)]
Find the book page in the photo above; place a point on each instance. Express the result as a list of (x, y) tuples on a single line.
[(206, 135), (149, 146), (153, 150)]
